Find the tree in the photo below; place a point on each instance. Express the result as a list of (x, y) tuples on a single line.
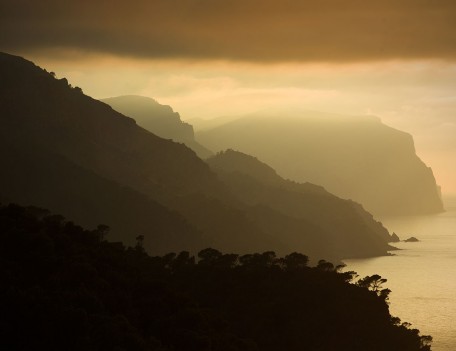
[(101, 232), (140, 243), (265, 259), (295, 261), (375, 283), (228, 260), (209, 256), (372, 282), (425, 342), (182, 261), (325, 266)]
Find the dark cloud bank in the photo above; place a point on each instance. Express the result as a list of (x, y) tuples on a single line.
[(253, 30)]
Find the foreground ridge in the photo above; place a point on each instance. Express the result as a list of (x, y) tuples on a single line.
[(67, 288)]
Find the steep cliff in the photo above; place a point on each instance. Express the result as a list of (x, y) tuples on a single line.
[(356, 158)]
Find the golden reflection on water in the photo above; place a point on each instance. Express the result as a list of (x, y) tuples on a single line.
[(422, 275)]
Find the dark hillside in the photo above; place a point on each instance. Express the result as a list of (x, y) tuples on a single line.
[(37, 108), (79, 157), (65, 288), (52, 181), (305, 214), (40, 112)]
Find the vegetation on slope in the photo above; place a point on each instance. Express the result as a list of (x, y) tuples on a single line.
[(66, 288)]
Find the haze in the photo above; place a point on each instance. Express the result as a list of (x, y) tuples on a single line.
[(392, 59), (191, 174)]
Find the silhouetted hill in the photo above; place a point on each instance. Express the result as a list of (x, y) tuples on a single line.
[(71, 147), (66, 288), (356, 158), (158, 119), (306, 215), (42, 113), (47, 111), (32, 176)]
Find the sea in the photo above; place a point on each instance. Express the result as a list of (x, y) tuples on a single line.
[(421, 275)]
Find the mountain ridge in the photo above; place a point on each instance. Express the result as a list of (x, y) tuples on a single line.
[(159, 119), (47, 116), (357, 159), (313, 213)]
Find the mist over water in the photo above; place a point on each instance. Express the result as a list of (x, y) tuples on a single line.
[(421, 275)]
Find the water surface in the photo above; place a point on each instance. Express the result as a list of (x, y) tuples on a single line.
[(422, 275)]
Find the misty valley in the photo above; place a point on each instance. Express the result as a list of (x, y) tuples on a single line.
[(124, 227)]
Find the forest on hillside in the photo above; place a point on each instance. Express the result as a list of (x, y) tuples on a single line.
[(67, 288)]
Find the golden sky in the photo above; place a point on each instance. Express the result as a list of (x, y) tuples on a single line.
[(208, 58)]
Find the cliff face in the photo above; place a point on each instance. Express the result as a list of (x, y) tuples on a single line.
[(355, 158), (158, 119)]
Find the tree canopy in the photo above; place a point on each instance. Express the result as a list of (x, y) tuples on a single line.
[(66, 288)]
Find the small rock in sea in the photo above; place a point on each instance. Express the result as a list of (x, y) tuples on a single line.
[(411, 240)]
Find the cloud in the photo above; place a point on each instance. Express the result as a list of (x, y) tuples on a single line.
[(248, 30)]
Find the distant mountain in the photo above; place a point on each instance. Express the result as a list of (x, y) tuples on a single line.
[(355, 158), (77, 156), (158, 119), (306, 214), (201, 124)]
